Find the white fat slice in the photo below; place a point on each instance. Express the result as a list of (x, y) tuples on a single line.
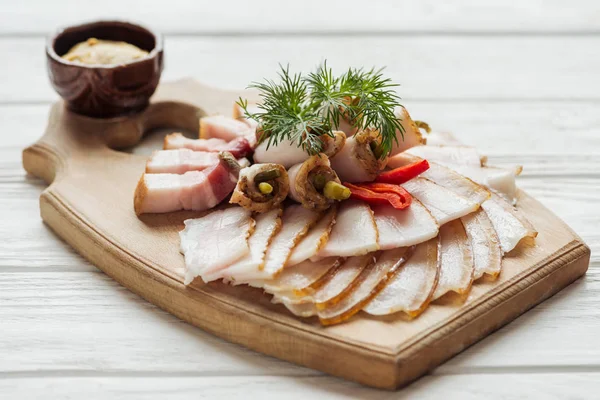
[(301, 276), (354, 232), (442, 139), (215, 241), (487, 254), (180, 161), (370, 281), (335, 284), (445, 177), (442, 203), (452, 180), (267, 225), (402, 228), (456, 260), (304, 310), (509, 224), (500, 180), (449, 156), (315, 240), (221, 127), (411, 288)]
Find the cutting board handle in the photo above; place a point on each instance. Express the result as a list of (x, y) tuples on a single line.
[(177, 105)]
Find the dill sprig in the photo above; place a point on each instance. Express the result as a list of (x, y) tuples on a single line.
[(373, 100), (286, 114), (326, 96), (302, 109)]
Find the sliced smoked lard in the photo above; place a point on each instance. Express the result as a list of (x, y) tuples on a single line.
[(371, 280), (401, 228), (213, 242), (180, 161), (267, 226), (239, 147), (449, 155), (445, 177), (442, 139), (456, 260), (333, 286), (500, 180), (354, 233), (487, 254), (315, 240), (194, 190), (411, 289), (226, 128), (295, 223), (442, 203), (301, 277), (509, 224)]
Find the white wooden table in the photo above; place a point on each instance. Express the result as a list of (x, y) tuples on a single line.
[(520, 80)]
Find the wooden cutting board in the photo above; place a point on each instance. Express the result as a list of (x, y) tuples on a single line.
[(89, 203)]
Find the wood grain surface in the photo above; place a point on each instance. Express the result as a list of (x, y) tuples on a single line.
[(543, 115)]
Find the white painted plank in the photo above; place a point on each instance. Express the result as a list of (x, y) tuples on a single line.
[(461, 387), (517, 129), (267, 16), (430, 67), (84, 321)]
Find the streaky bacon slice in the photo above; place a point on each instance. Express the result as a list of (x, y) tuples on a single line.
[(354, 233), (179, 161), (456, 260), (226, 128), (239, 147), (402, 228), (442, 203), (368, 284), (487, 254), (267, 225), (214, 241), (510, 225), (316, 238), (411, 289), (194, 190)]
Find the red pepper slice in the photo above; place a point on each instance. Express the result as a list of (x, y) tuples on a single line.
[(381, 193), (379, 187), (403, 174)]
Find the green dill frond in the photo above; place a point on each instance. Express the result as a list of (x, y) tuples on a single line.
[(286, 114), (325, 95), (302, 109), (373, 102)]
